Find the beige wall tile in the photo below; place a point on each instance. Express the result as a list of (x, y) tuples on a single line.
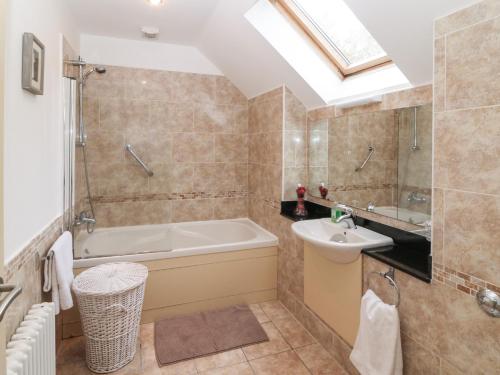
[(105, 145), (471, 246), (152, 146), (277, 92), (466, 151), (228, 93), (408, 98), (133, 213), (472, 74), (295, 112), (476, 13), (231, 148), (194, 148), (231, 208), (192, 210), (214, 118), (172, 117), (171, 178), (120, 178), (91, 110), (437, 225), (105, 89), (439, 74), (122, 114), (417, 359)]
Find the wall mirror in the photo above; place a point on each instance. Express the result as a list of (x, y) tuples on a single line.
[(379, 161)]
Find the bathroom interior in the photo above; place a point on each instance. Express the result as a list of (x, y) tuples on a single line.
[(250, 187)]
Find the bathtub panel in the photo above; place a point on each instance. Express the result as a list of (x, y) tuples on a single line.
[(149, 316), (195, 260), (208, 281)]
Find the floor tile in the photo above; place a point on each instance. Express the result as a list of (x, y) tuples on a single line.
[(180, 368), (223, 359), (318, 360), (238, 369), (275, 310), (259, 313), (72, 350), (275, 344), (148, 356), (147, 334), (287, 363), (293, 332)]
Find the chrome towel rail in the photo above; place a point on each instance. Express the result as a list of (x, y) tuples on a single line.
[(13, 291), (389, 275), (130, 149), (371, 150)]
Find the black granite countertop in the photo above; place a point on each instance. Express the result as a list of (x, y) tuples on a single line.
[(315, 211), (411, 253)]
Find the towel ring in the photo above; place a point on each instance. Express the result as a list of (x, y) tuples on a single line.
[(389, 275)]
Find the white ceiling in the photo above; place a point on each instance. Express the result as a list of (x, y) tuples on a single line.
[(219, 30), (180, 21)]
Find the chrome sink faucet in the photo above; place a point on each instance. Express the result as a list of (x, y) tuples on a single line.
[(348, 217)]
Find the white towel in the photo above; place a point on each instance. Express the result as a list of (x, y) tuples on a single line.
[(377, 350), (58, 272)]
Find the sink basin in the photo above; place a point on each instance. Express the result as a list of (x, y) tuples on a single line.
[(336, 242)]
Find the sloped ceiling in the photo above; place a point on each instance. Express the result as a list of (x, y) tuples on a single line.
[(219, 30)]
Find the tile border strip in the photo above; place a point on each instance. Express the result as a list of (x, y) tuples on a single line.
[(168, 196), (460, 281), (36, 245)]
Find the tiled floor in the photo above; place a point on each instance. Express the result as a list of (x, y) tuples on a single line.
[(290, 350)]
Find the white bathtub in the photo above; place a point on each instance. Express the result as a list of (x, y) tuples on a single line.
[(404, 214), (151, 242)]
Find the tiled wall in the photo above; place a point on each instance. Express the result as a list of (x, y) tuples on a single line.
[(26, 270), (265, 127), (295, 146), (443, 329), (191, 129)]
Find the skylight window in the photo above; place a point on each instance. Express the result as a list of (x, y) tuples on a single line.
[(339, 34)]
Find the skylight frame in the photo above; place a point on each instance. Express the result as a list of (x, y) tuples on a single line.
[(320, 40)]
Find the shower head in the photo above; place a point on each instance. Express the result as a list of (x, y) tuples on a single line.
[(99, 69)]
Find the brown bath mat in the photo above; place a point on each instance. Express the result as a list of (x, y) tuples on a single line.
[(201, 334)]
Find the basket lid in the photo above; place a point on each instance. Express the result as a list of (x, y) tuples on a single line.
[(110, 278)]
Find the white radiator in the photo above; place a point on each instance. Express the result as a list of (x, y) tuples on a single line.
[(32, 348)]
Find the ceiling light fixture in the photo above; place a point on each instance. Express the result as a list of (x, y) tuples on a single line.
[(150, 32), (156, 3)]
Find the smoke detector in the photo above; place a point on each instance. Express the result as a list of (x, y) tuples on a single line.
[(150, 32)]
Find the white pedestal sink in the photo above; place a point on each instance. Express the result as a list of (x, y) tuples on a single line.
[(337, 242)]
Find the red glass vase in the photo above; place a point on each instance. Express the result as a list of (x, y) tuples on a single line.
[(300, 210)]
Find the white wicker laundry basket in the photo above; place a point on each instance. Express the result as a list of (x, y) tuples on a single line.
[(110, 298)]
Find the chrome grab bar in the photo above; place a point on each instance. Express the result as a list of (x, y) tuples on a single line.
[(371, 150), (129, 148), (13, 291)]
